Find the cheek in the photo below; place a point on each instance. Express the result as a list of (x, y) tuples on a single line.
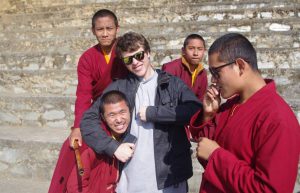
[(189, 53), (110, 123), (202, 53), (128, 67), (127, 118)]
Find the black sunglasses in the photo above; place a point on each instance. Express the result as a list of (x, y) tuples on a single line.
[(215, 71), (138, 56)]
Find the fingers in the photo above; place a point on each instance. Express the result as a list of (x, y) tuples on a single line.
[(206, 147), (215, 88), (213, 92), (124, 152), (131, 145), (79, 141), (71, 141), (75, 134)]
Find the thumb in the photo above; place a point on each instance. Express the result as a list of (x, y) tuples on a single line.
[(71, 141), (131, 145), (80, 141)]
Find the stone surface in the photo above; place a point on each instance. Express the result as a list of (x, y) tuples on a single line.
[(49, 111), (30, 152), (23, 185)]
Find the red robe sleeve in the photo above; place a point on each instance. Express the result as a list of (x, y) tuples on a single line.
[(199, 129), (273, 166), (275, 147), (202, 81), (84, 89)]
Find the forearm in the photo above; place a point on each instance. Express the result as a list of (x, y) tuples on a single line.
[(180, 114), (83, 91), (82, 104), (226, 172), (198, 128)]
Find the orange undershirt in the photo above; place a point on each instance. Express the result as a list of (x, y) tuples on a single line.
[(196, 71), (106, 56)]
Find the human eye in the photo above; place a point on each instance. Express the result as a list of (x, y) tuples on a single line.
[(111, 115), (110, 28), (123, 112), (191, 48), (99, 29)]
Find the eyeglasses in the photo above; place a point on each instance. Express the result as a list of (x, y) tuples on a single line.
[(138, 56), (215, 71)]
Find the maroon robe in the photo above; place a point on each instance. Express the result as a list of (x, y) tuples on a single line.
[(100, 171), (259, 145), (94, 75), (177, 68)]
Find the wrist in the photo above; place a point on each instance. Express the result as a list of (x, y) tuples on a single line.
[(208, 116), (212, 153)]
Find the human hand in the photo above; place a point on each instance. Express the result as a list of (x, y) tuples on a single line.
[(142, 113), (211, 102), (124, 152), (206, 147), (75, 134)]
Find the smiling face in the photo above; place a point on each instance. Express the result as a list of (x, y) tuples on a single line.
[(105, 31), (141, 68), (117, 117), (194, 51)]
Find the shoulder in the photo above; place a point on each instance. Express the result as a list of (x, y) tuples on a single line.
[(277, 109), (122, 84), (172, 80), (92, 51), (174, 63)]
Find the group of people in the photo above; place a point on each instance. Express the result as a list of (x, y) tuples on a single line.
[(250, 143)]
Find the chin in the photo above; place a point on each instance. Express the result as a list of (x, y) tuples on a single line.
[(226, 95), (139, 73), (106, 43)]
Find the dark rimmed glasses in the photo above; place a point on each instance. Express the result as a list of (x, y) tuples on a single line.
[(215, 71), (138, 56)]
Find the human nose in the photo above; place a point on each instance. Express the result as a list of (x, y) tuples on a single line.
[(134, 61), (118, 118), (196, 52), (105, 32)]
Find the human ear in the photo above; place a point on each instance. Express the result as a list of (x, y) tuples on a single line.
[(242, 64), (182, 51), (102, 116), (93, 30)]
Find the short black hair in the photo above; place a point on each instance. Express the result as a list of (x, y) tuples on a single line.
[(130, 42), (191, 37), (104, 13), (112, 97), (233, 46)]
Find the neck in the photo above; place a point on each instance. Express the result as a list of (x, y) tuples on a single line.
[(149, 73), (253, 84), (107, 49), (193, 67), (115, 135)]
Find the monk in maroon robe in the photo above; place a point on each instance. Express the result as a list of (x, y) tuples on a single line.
[(189, 67), (251, 143), (97, 67), (101, 172)]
